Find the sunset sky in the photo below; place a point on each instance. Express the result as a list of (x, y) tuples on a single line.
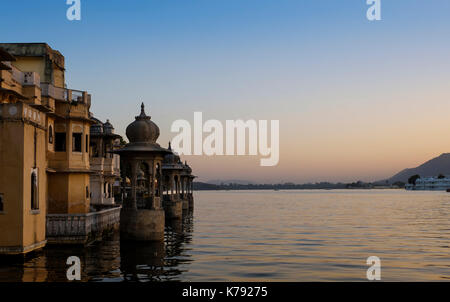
[(355, 99)]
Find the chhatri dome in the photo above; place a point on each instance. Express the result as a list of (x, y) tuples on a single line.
[(142, 135), (142, 130), (108, 127), (172, 160), (172, 157)]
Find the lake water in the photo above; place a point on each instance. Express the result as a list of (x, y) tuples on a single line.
[(273, 236)]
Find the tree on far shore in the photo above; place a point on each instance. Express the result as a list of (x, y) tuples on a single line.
[(412, 179)]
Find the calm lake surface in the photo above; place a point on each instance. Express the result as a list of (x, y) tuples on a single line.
[(273, 236)]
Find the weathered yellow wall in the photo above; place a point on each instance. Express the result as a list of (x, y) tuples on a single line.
[(11, 185), (58, 193), (35, 64), (58, 78), (34, 222), (67, 193), (78, 203), (62, 187)]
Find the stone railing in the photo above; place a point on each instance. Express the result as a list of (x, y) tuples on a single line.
[(80, 228), (96, 163), (31, 78), (53, 92), (17, 75), (63, 94), (109, 166)]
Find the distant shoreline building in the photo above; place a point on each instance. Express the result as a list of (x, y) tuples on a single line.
[(430, 184)]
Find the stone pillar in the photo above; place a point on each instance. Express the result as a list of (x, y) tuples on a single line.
[(154, 179), (142, 225), (100, 148), (151, 180), (124, 185), (133, 185), (172, 184), (187, 186), (160, 181), (176, 186)]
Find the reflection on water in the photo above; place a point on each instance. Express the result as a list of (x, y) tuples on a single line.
[(110, 260), (273, 236)]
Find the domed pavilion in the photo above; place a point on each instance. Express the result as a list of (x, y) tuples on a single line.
[(187, 181), (177, 180), (142, 217), (173, 200)]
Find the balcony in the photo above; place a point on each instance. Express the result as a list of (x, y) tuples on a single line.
[(66, 95), (53, 92), (31, 79), (25, 78), (108, 166), (96, 164)]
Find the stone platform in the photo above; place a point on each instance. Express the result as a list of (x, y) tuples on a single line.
[(81, 228), (173, 209), (142, 224)]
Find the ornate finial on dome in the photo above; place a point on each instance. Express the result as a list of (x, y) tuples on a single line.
[(143, 116), (170, 146), (142, 130)]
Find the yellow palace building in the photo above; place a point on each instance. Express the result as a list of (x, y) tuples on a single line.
[(44, 153)]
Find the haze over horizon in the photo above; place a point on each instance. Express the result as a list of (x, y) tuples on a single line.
[(356, 100)]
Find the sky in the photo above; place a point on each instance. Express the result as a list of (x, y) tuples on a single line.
[(356, 100)]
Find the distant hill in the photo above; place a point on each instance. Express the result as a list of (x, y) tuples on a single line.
[(205, 186), (433, 167)]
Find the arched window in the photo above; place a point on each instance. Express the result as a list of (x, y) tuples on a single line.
[(50, 135), (76, 142), (34, 191), (1, 203), (60, 141), (158, 183)]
